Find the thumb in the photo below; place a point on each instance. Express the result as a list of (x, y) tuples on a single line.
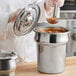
[(13, 16)]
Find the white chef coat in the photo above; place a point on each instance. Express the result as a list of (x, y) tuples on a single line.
[(25, 46)]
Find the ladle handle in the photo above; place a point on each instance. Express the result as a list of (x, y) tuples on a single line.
[(55, 13)]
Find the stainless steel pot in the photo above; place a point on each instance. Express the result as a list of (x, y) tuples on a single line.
[(7, 60), (51, 46), (51, 50)]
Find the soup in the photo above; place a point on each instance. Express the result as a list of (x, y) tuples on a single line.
[(52, 20), (52, 30)]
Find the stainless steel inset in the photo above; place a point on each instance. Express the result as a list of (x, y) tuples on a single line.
[(7, 60), (51, 50)]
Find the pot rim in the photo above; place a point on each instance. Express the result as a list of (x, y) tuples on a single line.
[(7, 55), (38, 27)]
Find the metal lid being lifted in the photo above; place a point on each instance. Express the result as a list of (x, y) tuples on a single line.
[(26, 20)]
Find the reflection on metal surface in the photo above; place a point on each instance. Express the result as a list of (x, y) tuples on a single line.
[(40, 48)]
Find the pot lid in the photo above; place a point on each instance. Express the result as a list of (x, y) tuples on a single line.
[(26, 20), (7, 55)]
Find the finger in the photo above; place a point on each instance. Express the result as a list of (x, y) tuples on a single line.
[(17, 12), (49, 3), (60, 3)]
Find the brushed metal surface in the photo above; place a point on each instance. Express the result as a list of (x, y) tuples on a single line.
[(51, 50)]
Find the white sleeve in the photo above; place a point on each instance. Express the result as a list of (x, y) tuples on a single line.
[(4, 16), (4, 13)]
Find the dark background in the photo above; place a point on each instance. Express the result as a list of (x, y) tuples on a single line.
[(69, 5)]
